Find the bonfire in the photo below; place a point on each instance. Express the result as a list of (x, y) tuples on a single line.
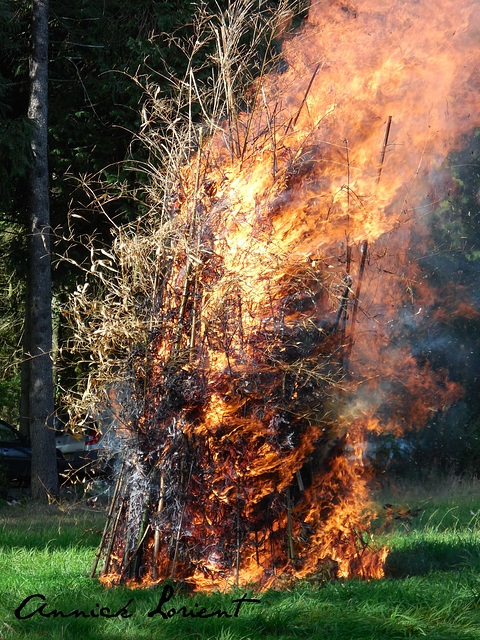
[(255, 314)]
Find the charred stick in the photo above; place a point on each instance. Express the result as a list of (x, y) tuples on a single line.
[(177, 543), (290, 124), (240, 323), (272, 551), (363, 249), (156, 542), (291, 554), (196, 314), (272, 135), (197, 173), (344, 317), (343, 302), (249, 124), (384, 148), (300, 480), (178, 534), (179, 530), (238, 535), (348, 182)]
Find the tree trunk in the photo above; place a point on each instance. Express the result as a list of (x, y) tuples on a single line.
[(25, 370), (44, 468)]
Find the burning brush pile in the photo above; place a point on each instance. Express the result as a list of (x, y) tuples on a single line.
[(256, 313)]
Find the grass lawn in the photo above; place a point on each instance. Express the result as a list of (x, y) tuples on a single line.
[(432, 590)]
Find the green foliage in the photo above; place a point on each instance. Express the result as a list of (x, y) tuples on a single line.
[(14, 128), (94, 104), (10, 396), (15, 159), (11, 323)]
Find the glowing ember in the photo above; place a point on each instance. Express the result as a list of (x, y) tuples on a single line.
[(280, 313)]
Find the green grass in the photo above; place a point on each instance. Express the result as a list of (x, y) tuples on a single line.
[(432, 588)]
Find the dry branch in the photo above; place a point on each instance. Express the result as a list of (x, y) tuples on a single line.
[(384, 148)]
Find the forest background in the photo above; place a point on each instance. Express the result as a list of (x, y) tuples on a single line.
[(96, 51)]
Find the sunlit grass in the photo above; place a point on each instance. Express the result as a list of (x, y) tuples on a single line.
[(444, 535), (432, 588)]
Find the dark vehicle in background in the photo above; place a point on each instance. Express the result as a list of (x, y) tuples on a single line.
[(86, 449), (16, 456)]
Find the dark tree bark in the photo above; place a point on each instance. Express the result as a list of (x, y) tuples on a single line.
[(25, 370), (39, 325)]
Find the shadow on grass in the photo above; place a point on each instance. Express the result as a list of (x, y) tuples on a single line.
[(431, 556), (48, 527)]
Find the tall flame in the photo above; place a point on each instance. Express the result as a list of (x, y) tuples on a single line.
[(277, 355)]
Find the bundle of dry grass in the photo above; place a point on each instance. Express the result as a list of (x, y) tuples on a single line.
[(118, 305)]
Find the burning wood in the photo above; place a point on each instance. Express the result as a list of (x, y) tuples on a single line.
[(253, 326)]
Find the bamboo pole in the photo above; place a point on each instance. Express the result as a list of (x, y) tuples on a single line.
[(136, 541), (144, 527), (179, 529), (109, 519), (128, 538), (112, 539)]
